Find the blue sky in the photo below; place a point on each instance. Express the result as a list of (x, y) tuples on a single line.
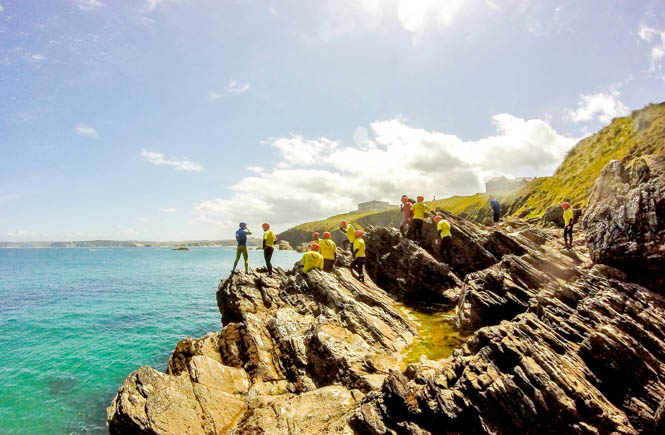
[(175, 119)]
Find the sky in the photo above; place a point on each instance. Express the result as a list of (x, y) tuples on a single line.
[(178, 119)]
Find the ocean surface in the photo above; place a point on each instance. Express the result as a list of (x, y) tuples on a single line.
[(74, 322)]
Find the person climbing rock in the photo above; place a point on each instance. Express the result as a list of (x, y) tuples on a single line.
[(269, 240), (445, 238), (241, 238), (496, 210), (359, 255), (329, 252), (316, 238), (312, 259), (350, 232), (406, 215), (419, 209), (569, 221)]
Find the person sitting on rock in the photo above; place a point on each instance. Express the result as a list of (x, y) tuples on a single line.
[(312, 259), (406, 214), (444, 240), (329, 252), (269, 240), (241, 238), (496, 210), (359, 255), (316, 237), (350, 234), (569, 221), (419, 209)]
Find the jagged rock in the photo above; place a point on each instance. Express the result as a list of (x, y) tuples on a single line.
[(152, 402), (625, 221), (283, 245), (587, 358)]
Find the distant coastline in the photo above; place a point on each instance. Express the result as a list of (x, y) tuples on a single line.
[(125, 244)]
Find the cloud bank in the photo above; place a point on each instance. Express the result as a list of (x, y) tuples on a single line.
[(319, 177), (601, 107), (179, 165)]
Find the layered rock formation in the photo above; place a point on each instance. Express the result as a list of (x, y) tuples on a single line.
[(555, 343), (626, 220)]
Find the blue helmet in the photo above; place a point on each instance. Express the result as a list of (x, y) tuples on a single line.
[(243, 225)]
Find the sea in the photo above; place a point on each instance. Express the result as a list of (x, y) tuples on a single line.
[(74, 322)]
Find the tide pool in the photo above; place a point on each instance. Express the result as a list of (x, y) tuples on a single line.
[(75, 322)]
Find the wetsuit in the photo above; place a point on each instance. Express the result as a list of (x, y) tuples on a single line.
[(445, 241), (241, 238), (406, 220), (569, 221), (311, 260), (418, 209), (269, 240), (350, 236), (496, 209), (329, 252), (359, 258)]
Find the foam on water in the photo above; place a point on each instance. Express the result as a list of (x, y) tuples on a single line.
[(75, 322)]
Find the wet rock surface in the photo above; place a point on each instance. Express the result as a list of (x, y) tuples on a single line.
[(625, 223)]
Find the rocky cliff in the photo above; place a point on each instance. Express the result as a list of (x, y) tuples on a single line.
[(553, 342)]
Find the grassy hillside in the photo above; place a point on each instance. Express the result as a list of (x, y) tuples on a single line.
[(643, 132)]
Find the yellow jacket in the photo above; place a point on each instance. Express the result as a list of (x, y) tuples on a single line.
[(311, 260), (444, 228), (350, 233), (359, 247), (419, 209), (568, 216), (328, 249), (270, 238)]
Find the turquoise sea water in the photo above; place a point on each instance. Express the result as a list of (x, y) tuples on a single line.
[(75, 322)]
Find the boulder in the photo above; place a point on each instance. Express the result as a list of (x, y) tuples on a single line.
[(625, 220), (283, 245)]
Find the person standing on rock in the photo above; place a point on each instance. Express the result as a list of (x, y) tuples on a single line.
[(445, 239), (241, 238), (406, 215), (329, 252), (269, 240), (312, 259), (359, 255), (496, 210), (419, 209), (568, 221), (350, 234)]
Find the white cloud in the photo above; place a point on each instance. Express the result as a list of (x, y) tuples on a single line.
[(179, 165), (125, 230), (215, 96), (316, 178), (656, 38), (493, 5), (255, 169), (415, 16), (152, 4), (168, 210), (2, 8), (601, 107), (37, 57), (89, 5), (236, 88), (86, 131)]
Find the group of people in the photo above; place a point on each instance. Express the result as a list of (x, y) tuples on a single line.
[(322, 252)]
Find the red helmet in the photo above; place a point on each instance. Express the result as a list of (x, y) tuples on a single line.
[(326, 235), (342, 224), (266, 226), (420, 198), (437, 219), (565, 205), (359, 233), (315, 234), (315, 247)]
